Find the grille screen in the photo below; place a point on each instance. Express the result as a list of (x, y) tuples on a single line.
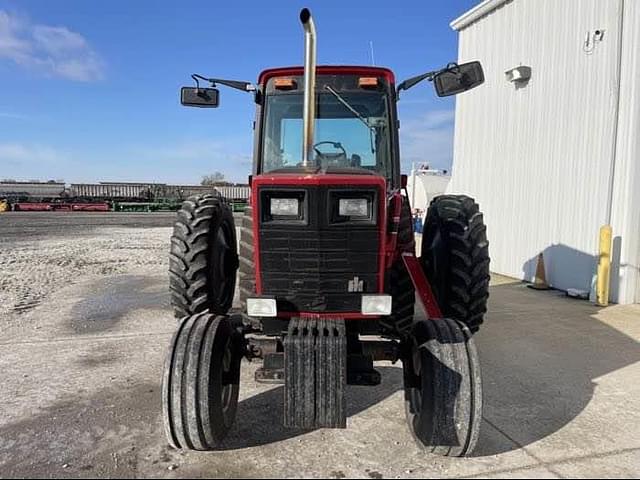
[(310, 265)]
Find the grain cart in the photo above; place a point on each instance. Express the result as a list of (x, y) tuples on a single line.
[(326, 266)]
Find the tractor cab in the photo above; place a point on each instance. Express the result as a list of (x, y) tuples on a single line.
[(354, 130), (325, 265)]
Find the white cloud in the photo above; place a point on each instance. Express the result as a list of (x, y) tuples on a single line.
[(428, 139), (58, 40), (21, 154), (53, 50)]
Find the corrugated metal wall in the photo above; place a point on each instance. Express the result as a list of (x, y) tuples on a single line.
[(537, 157), (625, 273)]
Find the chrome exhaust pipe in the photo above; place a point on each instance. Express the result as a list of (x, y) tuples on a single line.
[(309, 108)]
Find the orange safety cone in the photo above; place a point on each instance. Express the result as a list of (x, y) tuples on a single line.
[(540, 280)]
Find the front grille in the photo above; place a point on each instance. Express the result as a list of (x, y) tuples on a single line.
[(308, 265)]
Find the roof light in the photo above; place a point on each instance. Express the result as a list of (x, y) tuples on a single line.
[(365, 82), (284, 83)]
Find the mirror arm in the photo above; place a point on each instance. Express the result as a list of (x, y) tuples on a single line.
[(244, 86), (410, 82)]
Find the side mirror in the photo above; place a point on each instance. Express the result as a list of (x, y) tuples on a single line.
[(458, 79), (199, 97)]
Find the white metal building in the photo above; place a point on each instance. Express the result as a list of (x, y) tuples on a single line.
[(553, 158)]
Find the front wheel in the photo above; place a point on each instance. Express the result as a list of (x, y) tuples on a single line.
[(200, 384), (443, 387)]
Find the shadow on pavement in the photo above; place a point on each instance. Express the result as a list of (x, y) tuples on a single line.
[(541, 353), (259, 419)]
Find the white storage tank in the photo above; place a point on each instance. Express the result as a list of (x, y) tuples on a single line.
[(423, 184)]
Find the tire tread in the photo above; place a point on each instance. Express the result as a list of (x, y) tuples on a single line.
[(462, 290), (196, 222)]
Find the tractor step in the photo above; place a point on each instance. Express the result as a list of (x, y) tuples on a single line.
[(316, 374)]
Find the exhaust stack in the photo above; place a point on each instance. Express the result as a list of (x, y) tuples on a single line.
[(309, 107)]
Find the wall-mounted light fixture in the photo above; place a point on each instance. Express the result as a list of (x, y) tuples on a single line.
[(519, 74)]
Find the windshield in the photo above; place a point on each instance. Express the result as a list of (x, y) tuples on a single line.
[(351, 132)]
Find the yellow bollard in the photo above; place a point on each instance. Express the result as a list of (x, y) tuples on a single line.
[(604, 266)]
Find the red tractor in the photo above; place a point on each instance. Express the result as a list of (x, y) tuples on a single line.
[(326, 261)]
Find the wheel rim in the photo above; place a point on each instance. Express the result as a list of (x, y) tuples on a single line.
[(222, 278)]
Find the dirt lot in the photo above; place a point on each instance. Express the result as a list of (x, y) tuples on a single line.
[(85, 321)]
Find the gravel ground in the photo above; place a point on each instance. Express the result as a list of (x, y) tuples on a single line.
[(37, 268), (85, 322)]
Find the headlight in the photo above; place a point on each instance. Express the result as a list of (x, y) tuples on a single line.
[(353, 207), (376, 305), (262, 307), (287, 207)]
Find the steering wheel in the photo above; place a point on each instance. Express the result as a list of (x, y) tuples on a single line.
[(336, 145)]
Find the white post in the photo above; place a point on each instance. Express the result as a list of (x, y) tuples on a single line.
[(413, 185)]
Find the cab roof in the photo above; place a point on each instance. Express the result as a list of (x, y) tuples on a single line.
[(328, 70)]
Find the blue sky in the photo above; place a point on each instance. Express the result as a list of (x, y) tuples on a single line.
[(89, 90)]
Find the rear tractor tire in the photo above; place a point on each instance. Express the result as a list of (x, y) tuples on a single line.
[(455, 258), (204, 257), (201, 381), (443, 387)]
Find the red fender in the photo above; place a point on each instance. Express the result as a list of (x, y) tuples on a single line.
[(422, 286)]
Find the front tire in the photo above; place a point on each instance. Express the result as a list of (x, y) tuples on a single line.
[(200, 384), (203, 259), (443, 388)]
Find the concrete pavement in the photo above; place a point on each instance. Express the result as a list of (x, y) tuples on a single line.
[(81, 376)]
